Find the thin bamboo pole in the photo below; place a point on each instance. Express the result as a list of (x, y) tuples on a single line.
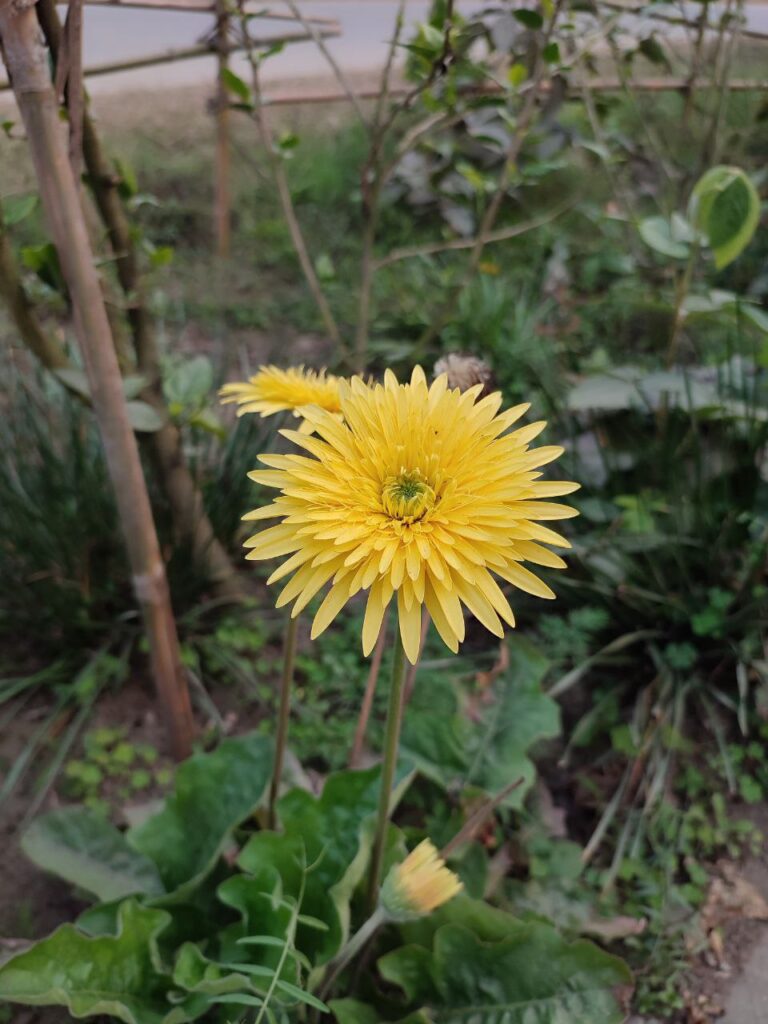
[(27, 64), (191, 52), (222, 202)]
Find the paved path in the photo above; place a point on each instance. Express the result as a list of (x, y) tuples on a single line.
[(747, 1001)]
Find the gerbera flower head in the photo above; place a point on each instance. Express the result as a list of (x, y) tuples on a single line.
[(417, 491), (273, 390), (419, 885)]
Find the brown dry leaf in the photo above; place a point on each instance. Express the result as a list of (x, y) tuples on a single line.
[(700, 1009), (731, 895), (611, 928)]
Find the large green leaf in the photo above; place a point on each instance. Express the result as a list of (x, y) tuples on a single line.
[(725, 205), (470, 961), (491, 750), (332, 835), (119, 975), (84, 848), (213, 793), (534, 975)]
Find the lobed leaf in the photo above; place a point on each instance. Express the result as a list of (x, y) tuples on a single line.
[(86, 850), (213, 793)]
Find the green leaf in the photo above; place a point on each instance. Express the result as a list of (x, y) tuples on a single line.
[(352, 1011), (133, 384), (517, 74), (196, 974), (75, 380), (236, 85), (239, 999), (531, 975), (653, 51), (491, 751), (410, 968), (664, 236), (143, 417), (18, 208), (213, 794), (188, 383), (332, 834), (531, 19), (120, 975), (725, 206), (303, 997), (43, 260), (85, 849)]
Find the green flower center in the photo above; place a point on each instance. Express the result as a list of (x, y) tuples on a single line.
[(407, 496)]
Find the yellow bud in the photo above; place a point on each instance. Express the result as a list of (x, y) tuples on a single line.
[(419, 885)]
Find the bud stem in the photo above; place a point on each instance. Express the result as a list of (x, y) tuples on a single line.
[(391, 740)]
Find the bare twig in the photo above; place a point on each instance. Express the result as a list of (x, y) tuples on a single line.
[(370, 692), (283, 189), (311, 29), (724, 53), (476, 820), (522, 127), (457, 244), (222, 214), (374, 174)]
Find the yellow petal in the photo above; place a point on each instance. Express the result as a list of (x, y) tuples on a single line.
[(410, 627)]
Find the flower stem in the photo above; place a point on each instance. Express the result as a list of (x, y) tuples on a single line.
[(394, 715), (352, 948), (283, 715)]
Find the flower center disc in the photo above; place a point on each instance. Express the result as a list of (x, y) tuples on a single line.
[(407, 496)]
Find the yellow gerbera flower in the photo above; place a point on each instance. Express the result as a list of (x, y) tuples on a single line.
[(273, 390), (419, 885), (419, 491)]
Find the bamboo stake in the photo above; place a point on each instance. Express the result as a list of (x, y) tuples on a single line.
[(27, 64), (184, 498), (222, 194)]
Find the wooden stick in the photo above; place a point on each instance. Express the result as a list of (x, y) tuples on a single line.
[(597, 85), (200, 50), (165, 445), (27, 64), (255, 10)]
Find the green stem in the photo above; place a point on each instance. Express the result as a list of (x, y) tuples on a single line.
[(394, 716), (283, 715), (683, 287), (352, 948)]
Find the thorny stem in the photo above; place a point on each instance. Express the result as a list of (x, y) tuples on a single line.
[(391, 740), (283, 715)]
